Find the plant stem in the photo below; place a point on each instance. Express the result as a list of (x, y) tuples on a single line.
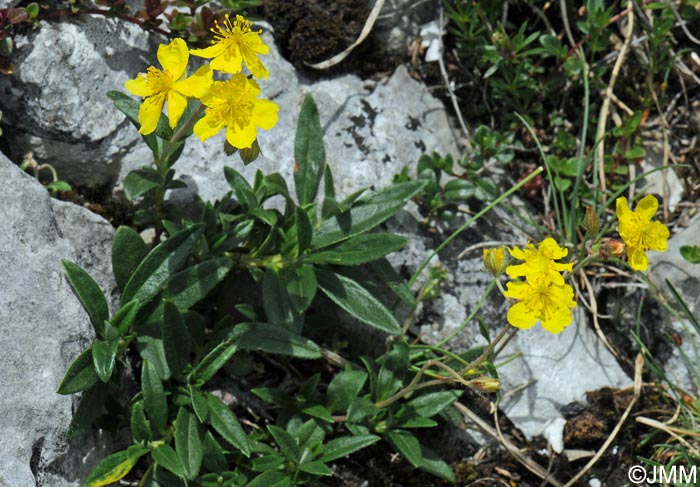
[(466, 225)]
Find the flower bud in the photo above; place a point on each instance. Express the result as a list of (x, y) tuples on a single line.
[(486, 384), (591, 222), (495, 260), (611, 247)]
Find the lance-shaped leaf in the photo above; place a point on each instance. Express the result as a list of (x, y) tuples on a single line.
[(345, 445), (188, 442), (309, 155), (128, 250), (176, 338), (162, 262), (104, 353), (359, 250), (90, 295), (270, 338), (115, 466), (357, 301), (81, 374), (227, 425), (154, 400)]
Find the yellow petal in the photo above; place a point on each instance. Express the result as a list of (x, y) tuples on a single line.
[(241, 138), (197, 84), (265, 114), (173, 57), (559, 320), (229, 62), (149, 113), (520, 317), (621, 208), (254, 64), (208, 52), (637, 259), (204, 128), (656, 237), (139, 86), (176, 107), (647, 206)]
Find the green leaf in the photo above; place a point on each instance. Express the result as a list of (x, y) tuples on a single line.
[(273, 478), (103, 355), (459, 190), (344, 388), (380, 206), (435, 465), (123, 318), (153, 350), (139, 182), (430, 404), (154, 401), (244, 192), (408, 445), (167, 457), (304, 229), (140, 427), (81, 374), (357, 301), (301, 287), (391, 373), (271, 338), (189, 286), (89, 294), (346, 445), (691, 253), (88, 410), (359, 250), (199, 403), (128, 250), (188, 442), (267, 462), (214, 459), (212, 362), (176, 339), (316, 468), (115, 466), (288, 446), (162, 262), (309, 155), (227, 425), (278, 309)]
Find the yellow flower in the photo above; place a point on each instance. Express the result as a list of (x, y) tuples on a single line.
[(235, 43), (170, 84), (540, 260), (494, 260), (639, 232), (540, 299), (234, 104)]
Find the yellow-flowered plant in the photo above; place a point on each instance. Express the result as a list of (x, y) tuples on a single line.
[(639, 232), (232, 104), (235, 43), (543, 295), (169, 84)]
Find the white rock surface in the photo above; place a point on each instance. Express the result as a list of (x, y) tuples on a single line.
[(555, 370), (56, 102), (43, 328)]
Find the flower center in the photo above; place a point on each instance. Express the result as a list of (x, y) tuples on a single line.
[(230, 32), (158, 80), (230, 104)]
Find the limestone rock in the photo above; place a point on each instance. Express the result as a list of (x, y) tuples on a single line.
[(56, 102), (43, 329)]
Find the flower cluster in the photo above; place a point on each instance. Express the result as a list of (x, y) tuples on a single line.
[(543, 295), (232, 104)]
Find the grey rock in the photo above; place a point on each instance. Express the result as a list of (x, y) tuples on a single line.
[(659, 183), (685, 278), (555, 370), (43, 329), (56, 102)]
